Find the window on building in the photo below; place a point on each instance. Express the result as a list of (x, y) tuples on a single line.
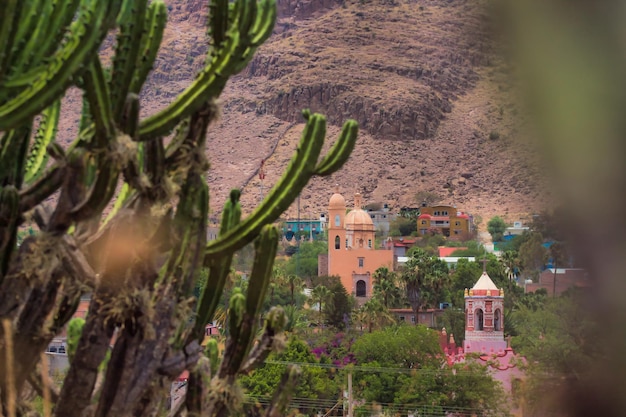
[(457, 232), (361, 288), (402, 318), (337, 220), (423, 221), (436, 213), (369, 243), (361, 262), (444, 213), (479, 319), (337, 242), (347, 244), (457, 223), (497, 320), (413, 319)]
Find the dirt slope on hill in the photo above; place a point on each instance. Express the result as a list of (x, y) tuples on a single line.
[(422, 78)]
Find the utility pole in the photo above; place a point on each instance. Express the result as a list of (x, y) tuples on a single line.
[(350, 394), (298, 240)]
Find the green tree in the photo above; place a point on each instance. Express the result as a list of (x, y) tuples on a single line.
[(402, 226), (511, 263), (496, 228), (559, 338), (314, 383), (374, 315), (533, 255), (304, 262), (321, 296), (403, 346), (339, 307), (426, 280), (385, 287)]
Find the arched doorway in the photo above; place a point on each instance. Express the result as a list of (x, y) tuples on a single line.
[(337, 242), (497, 320), (479, 319), (361, 288)]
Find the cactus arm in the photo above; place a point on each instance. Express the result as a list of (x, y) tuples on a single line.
[(13, 155), (62, 17), (218, 271), (209, 82), (46, 133), (87, 32), (282, 195), (32, 43), (341, 150), (154, 26), (9, 16), (218, 23), (74, 330), (34, 13), (9, 203), (131, 23), (98, 96), (242, 336), (43, 187)]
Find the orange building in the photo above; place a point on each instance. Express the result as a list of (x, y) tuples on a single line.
[(352, 254), (446, 220)]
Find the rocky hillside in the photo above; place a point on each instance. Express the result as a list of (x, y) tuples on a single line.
[(422, 77)]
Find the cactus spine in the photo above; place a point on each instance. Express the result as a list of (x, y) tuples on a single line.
[(141, 261)]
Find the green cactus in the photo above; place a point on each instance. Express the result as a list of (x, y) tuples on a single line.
[(141, 259)]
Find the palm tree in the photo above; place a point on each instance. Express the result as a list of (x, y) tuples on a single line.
[(321, 295), (295, 282), (511, 263), (295, 318), (385, 286), (424, 277), (375, 314)]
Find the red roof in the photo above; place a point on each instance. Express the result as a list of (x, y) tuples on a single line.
[(463, 216), (445, 251), (424, 216)]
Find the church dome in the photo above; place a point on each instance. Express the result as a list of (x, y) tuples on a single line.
[(358, 217), (337, 202)]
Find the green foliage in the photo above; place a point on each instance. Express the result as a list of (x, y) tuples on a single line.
[(315, 383), (403, 346), (402, 226), (386, 288), (473, 249), (431, 387), (533, 255), (560, 340), (496, 227), (425, 279), (339, 307), (305, 259)]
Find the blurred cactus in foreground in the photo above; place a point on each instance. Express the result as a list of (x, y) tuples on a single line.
[(140, 262)]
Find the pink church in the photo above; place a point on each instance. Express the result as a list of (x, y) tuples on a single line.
[(484, 336)]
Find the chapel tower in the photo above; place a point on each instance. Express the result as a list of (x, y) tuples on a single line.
[(484, 318)]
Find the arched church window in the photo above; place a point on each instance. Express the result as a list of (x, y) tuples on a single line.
[(337, 242), (337, 220), (497, 320), (479, 319), (361, 288), (360, 243)]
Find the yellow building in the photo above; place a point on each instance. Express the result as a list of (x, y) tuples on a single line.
[(352, 254), (447, 220)]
